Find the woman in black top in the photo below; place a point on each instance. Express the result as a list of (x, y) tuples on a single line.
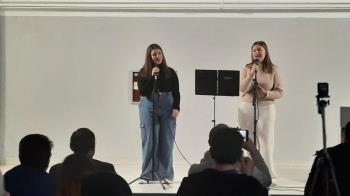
[(159, 85)]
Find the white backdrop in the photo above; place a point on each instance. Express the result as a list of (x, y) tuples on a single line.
[(62, 73)]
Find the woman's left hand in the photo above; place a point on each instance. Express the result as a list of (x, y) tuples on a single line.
[(261, 92), (175, 113)]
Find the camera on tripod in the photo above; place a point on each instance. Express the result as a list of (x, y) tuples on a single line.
[(322, 96), (322, 89), (322, 181)]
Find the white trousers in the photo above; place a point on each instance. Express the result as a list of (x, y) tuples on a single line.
[(265, 129)]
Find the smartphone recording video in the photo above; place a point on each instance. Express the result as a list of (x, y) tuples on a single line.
[(244, 134)]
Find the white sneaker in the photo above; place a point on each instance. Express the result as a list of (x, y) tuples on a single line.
[(167, 181), (144, 181)]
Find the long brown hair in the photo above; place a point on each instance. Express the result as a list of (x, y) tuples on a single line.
[(267, 64), (146, 70)]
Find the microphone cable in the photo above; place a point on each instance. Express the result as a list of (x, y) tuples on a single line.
[(178, 148)]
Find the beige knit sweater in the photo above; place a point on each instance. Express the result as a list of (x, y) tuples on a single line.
[(270, 82)]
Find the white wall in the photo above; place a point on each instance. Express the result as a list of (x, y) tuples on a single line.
[(62, 73), (2, 89)]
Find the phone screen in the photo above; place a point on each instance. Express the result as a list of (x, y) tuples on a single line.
[(244, 134)]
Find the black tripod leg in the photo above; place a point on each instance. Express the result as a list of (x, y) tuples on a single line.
[(141, 177), (135, 180), (159, 179), (314, 178)]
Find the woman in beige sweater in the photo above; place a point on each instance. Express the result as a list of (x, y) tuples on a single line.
[(269, 88)]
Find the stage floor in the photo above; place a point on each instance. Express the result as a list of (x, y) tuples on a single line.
[(290, 182)]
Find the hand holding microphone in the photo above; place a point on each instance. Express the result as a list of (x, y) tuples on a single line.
[(155, 72), (255, 67)]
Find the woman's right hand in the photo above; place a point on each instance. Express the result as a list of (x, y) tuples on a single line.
[(252, 70), (155, 71)]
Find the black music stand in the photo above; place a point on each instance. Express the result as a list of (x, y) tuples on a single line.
[(217, 83)]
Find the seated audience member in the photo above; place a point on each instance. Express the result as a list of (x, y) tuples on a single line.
[(340, 157), (106, 184), (226, 150), (30, 177), (260, 171), (82, 142), (74, 168)]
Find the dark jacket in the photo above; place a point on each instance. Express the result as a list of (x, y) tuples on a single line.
[(55, 170), (340, 156), (213, 182), (25, 181)]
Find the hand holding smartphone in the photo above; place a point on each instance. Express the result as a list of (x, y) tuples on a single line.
[(244, 134)]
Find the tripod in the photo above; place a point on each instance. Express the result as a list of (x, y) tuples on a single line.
[(324, 163), (153, 172)]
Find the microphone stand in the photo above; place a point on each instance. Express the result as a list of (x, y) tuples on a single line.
[(214, 121), (155, 95), (255, 100), (214, 97)]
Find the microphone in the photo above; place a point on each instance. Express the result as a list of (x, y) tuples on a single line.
[(256, 61), (156, 74), (156, 85)]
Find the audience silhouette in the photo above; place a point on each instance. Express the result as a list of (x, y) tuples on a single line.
[(339, 155), (224, 179), (106, 184), (30, 177), (82, 142)]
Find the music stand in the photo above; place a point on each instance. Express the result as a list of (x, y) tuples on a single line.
[(216, 83)]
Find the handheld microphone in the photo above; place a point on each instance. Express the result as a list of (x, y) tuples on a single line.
[(156, 74), (256, 61), (156, 85)]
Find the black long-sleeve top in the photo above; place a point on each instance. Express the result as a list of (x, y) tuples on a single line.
[(164, 84)]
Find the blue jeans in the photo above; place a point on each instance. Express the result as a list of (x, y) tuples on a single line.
[(164, 136)]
